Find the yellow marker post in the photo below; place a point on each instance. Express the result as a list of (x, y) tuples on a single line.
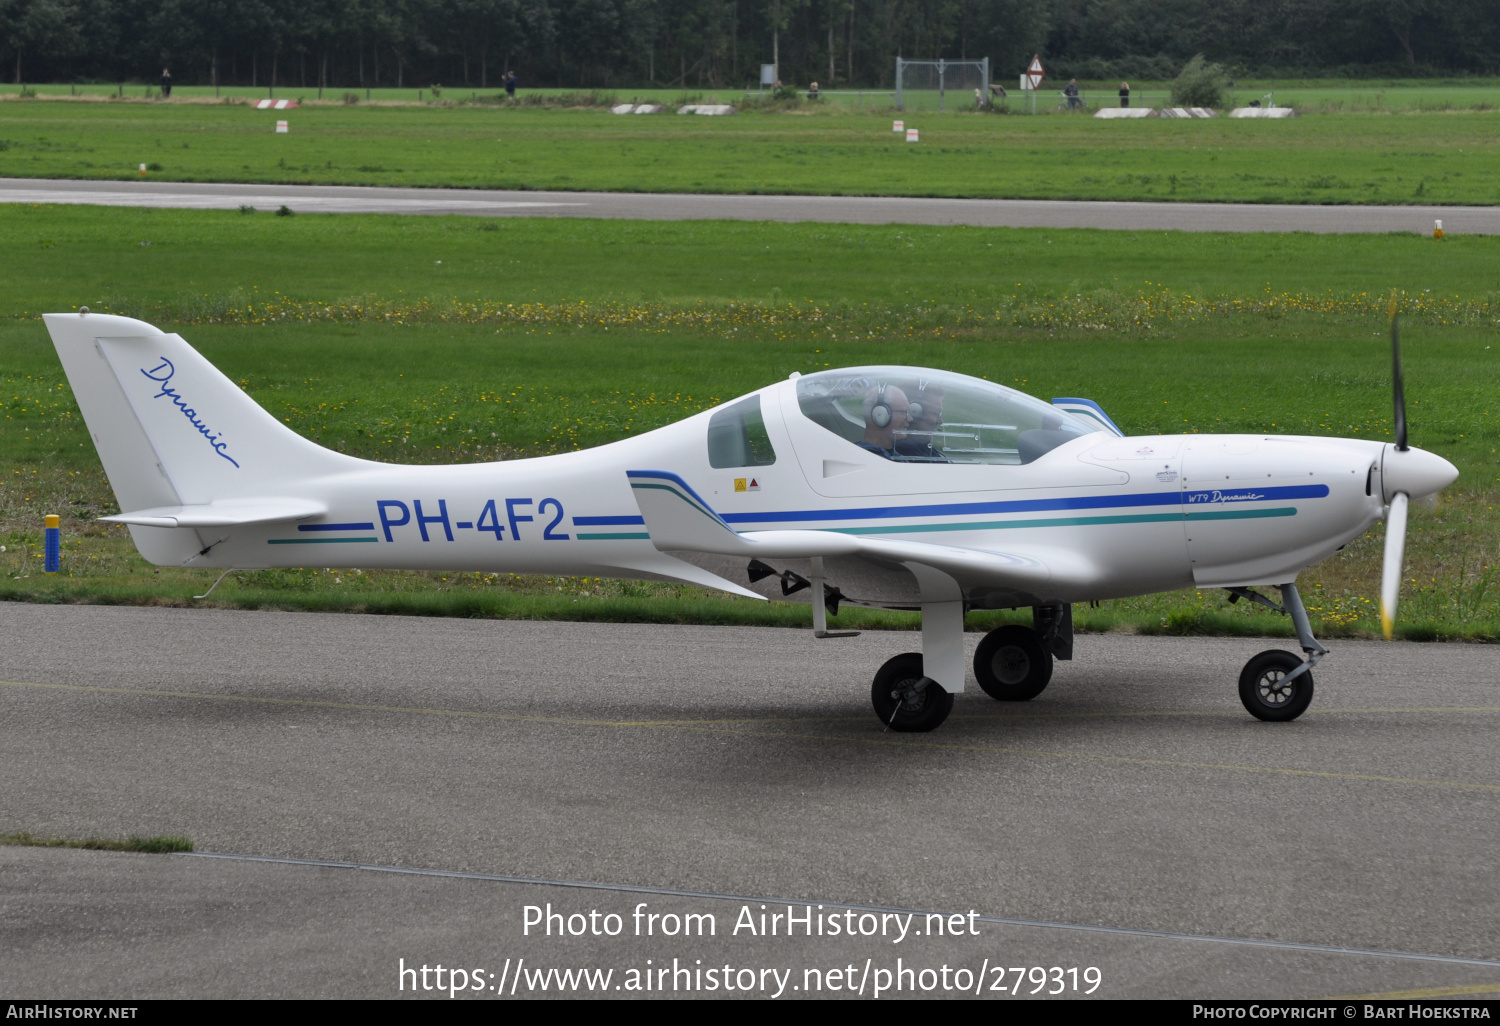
[(53, 544)]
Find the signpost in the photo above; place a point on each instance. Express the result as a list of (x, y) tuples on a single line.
[(1031, 78)]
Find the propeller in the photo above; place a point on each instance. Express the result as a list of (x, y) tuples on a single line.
[(1405, 473), (1395, 521), (1395, 552)]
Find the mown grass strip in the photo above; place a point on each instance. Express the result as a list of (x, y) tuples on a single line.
[(1331, 158), (1159, 619), (151, 845)]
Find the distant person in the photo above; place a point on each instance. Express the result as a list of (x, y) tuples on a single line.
[(510, 84), (1124, 94), (887, 413), (166, 84), (812, 91), (1071, 92), (925, 408)]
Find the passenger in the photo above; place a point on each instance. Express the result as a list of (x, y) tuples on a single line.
[(926, 412), (886, 413)]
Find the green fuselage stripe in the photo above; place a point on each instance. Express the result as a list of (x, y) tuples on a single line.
[(1242, 514), (625, 536), (316, 541)]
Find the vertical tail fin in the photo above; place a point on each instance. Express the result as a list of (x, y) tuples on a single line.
[(171, 429)]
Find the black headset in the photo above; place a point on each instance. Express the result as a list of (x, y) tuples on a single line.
[(915, 407), (881, 413)]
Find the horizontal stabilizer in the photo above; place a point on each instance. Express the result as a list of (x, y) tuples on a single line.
[(225, 513)]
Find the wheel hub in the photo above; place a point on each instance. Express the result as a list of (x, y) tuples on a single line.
[(1011, 665), (1275, 689), (911, 693)]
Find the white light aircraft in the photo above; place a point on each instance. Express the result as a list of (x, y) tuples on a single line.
[(892, 487)]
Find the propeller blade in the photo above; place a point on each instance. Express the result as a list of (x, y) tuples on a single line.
[(1395, 553), (1398, 385)]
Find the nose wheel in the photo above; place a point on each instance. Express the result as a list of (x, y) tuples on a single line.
[(1272, 689), (905, 699)]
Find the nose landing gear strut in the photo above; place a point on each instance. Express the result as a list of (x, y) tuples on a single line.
[(1276, 685)]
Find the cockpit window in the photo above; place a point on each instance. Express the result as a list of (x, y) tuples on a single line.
[(909, 415), (737, 436)]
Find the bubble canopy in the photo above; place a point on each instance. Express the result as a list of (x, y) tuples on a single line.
[(915, 415)]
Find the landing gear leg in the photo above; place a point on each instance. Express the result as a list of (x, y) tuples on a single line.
[(915, 692), (1276, 685)]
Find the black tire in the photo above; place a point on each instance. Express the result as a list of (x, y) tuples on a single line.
[(1011, 664), (926, 711), (1265, 696)]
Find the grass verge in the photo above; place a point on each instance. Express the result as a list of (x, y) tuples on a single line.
[(149, 845)]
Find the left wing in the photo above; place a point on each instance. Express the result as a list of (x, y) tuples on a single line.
[(1090, 413)]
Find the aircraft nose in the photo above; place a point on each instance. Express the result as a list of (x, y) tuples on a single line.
[(1416, 472)]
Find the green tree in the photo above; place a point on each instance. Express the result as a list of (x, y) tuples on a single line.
[(38, 27), (1200, 84)]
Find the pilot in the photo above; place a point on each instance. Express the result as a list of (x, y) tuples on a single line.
[(886, 414), (926, 412)]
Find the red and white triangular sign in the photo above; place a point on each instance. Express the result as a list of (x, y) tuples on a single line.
[(1035, 72)]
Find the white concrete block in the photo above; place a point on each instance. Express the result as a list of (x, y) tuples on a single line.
[(1263, 112)]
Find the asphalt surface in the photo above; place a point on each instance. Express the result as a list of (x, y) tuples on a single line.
[(1206, 217), (1133, 818)]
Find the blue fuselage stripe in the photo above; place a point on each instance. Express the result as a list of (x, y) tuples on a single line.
[(608, 521), (1200, 497), (335, 527)]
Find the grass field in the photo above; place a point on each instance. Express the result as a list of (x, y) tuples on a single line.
[(1308, 95), (1334, 158), (393, 337)]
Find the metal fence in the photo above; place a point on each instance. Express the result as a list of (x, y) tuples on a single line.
[(969, 81)]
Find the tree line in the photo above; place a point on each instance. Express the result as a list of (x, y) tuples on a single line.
[(693, 44)]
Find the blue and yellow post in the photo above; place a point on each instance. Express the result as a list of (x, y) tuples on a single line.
[(54, 543)]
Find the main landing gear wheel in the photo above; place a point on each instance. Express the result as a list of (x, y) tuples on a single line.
[(1011, 664), (907, 701), (1267, 693)]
